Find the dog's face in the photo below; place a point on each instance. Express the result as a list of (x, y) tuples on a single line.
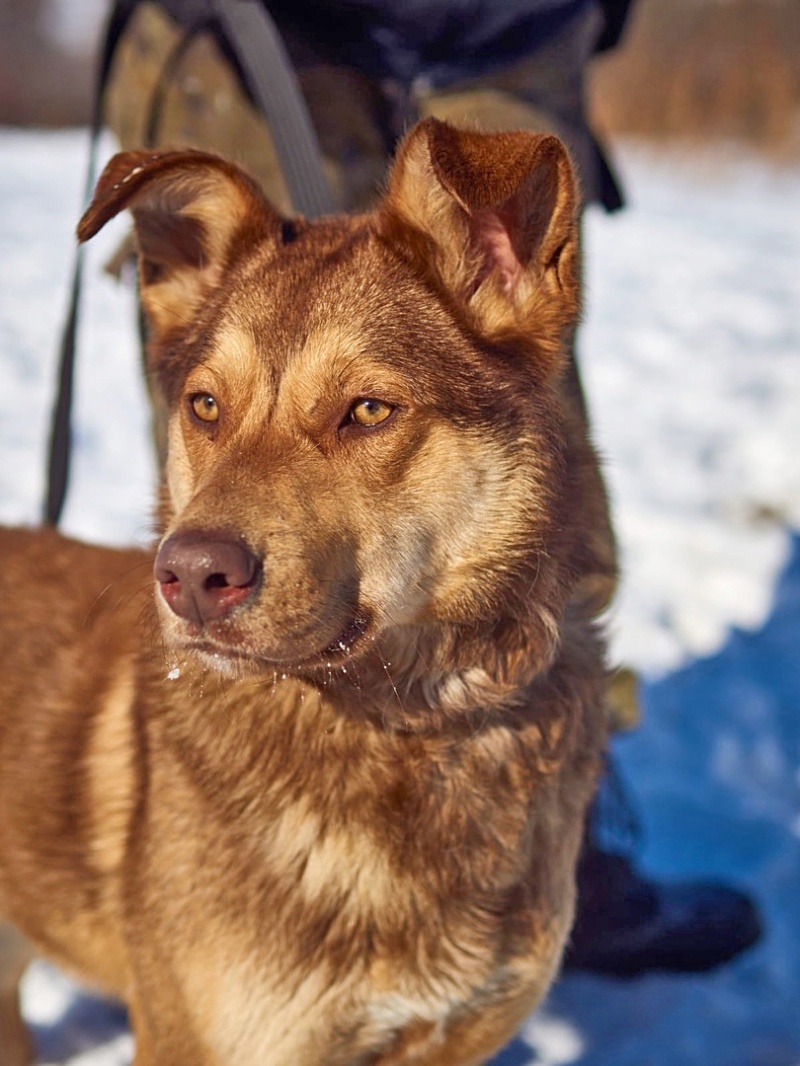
[(364, 431)]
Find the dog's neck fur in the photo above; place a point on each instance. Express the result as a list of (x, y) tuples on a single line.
[(371, 715), (400, 686)]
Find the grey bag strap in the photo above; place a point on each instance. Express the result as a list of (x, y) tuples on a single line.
[(273, 84)]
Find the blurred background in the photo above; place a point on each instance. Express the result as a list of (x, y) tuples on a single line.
[(690, 350), (686, 69)]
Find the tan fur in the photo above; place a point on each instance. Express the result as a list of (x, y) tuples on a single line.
[(337, 824)]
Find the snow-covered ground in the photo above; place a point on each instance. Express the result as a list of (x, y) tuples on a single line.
[(691, 353)]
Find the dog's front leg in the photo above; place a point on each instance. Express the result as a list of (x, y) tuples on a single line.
[(164, 1034), (144, 1027), (16, 1048), (145, 1051)]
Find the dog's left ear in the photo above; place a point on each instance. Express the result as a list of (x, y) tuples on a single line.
[(491, 218), (193, 213)]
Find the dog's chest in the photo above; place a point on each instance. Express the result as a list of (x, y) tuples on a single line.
[(313, 939), (347, 899)]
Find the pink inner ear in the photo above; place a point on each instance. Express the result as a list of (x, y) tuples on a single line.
[(491, 239)]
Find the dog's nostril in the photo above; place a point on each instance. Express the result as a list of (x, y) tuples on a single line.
[(219, 581), (203, 577)]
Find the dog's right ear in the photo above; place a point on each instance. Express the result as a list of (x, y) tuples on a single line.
[(193, 212), (491, 219)]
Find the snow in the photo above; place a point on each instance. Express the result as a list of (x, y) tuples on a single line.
[(692, 342), (691, 355)]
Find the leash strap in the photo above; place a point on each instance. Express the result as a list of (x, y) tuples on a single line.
[(270, 80), (60, 442)]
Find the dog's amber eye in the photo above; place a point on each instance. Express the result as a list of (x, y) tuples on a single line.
[(370, 412), (204, 407)]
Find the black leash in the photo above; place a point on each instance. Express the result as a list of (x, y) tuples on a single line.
[(268, 78), (59, 447)]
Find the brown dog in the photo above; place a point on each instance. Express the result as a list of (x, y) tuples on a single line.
[(321, 801)]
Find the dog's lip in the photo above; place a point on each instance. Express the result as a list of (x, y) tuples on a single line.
[(341, 648), (348, 638)]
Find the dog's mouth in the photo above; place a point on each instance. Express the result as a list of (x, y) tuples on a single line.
[(223, 655), (340, 651)]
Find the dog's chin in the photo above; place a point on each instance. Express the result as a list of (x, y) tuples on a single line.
[(227, 662), (234, 659)]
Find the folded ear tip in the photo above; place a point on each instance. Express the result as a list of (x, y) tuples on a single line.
[(86, 228), (123, 167), (127, 173), (114, 186)]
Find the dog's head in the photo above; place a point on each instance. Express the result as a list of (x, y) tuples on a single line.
[(366, 454)]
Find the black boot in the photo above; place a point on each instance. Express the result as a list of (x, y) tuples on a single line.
[(627, 925)]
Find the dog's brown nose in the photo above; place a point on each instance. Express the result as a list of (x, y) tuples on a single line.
[(203, 577)]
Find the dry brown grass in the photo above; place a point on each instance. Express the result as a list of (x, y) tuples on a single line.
[(706, 69)]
